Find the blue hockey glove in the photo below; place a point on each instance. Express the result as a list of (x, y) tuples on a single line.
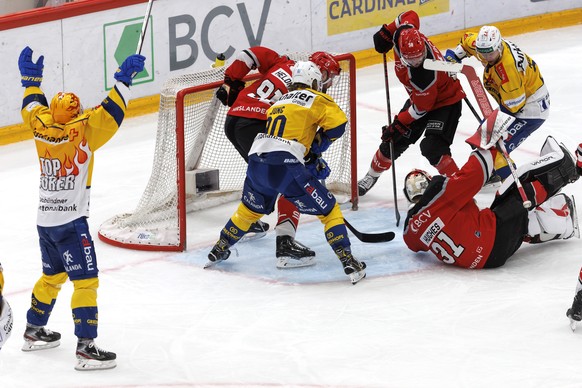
[(30, 72), (320, 143), (450, 56), (317, 166), (129, 68)]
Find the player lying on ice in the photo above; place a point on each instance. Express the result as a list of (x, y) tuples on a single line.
[(446, 220), (286, 161)]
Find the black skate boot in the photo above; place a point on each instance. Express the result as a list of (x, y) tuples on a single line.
[(38, 338), (293, 254), (256, 230), (90, 357), (575, 312), (219, 252), (366, 183), (352, 267)]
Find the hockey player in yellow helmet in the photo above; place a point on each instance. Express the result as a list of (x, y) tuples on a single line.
[(513, 79), (65, 106)]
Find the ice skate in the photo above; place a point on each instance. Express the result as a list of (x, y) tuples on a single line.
[(366, 183), (494, 182), (352, 267), (292, 254), (39, 338), (575, 312), (257, 230), (219, 252), (91, 357)]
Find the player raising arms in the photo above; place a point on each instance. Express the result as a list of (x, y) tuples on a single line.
[(446, 220), (65, 139), (285, 160), (433, 107), (513, 79), (247, 117)]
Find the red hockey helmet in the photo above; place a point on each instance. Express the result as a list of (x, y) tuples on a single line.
[(412, 47), (328, 66), (415, 184)]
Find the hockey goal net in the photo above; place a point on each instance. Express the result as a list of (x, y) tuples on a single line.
[(195, 166)]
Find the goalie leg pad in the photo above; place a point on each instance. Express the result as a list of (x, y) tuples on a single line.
[(554, 219)]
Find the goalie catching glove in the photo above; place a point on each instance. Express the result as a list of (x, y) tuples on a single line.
[(234, 88), (317, 166), (389, 131), (132, 65), (30, 72)]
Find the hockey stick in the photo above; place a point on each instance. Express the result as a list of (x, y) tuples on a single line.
[(394, 190), (144, 26), (479, 119), (484, 105), (370, 237)]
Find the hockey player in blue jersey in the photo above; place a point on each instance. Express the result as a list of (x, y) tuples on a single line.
[(287, 160), (66, 138)]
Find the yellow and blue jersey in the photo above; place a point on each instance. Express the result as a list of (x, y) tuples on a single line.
[(294, 119), (65, 152)]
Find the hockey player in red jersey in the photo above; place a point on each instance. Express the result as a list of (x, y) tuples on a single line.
[(434, 104), (300, 126), (66, 138), (446, 220), (574, 313), (247, 117)]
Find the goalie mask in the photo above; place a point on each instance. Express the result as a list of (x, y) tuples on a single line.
[(328, 66), (415, 184), (308, 74), (65, 107)]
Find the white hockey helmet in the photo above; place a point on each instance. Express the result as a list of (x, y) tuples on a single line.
[(307, 73), (6, 321), (488, 42), (415, 184)]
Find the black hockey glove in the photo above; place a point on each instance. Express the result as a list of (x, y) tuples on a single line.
[(383, 40), (389, 131), (579, 161), (228, 98), (317, 166)]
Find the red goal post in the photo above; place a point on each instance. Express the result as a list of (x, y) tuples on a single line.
[(192, 151)]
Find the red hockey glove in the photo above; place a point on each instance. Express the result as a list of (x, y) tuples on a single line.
[(389, 131), (383, 40)]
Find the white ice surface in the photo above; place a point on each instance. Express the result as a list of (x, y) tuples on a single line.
[(413, 322)]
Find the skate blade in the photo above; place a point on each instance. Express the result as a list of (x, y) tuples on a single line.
[(211, 264), (253, 236), (573, 324), (86, 364), (357, 276), (31, 346), (285, 262)]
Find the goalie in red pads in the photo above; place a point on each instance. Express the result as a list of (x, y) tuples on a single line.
[(247, 117), (446, 220)]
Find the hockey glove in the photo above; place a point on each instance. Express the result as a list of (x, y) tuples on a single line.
[(383, 40), (579, 161), (317, 166), (321, 142), (129, 68), (389, 131), (450, 56), (30, 72), (228, 98)]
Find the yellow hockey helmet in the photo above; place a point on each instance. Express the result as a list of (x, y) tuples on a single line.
[(65, 107)]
